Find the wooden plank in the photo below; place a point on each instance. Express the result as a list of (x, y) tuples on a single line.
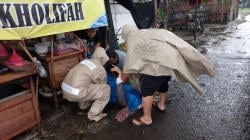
[(24, 128), (47, 57), (16, 110), (15, 95), (66, 64), (26, 66), (67, 55), (11, 76), (35, 103), (15, 101), (17, 125), (59, 78)]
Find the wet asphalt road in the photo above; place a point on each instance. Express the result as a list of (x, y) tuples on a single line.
[(222, 113)]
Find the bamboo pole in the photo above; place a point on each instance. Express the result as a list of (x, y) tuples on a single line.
[(52, 78), (23, 46), (35, 104)]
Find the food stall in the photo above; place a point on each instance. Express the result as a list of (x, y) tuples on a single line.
[(24, 27)]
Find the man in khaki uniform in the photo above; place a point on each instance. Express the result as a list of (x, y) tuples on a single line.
[(86, 83)]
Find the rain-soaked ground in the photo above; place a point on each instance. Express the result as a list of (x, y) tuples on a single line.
[(222, 113)]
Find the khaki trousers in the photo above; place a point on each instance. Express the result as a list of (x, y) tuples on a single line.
[(98, 95)]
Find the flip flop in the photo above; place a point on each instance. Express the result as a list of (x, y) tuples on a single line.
[(140, 122)]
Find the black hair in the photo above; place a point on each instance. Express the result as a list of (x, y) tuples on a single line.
[(113, 54), (108, 65)]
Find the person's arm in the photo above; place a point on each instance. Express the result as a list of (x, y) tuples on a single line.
[(125, 77), (122, 77)]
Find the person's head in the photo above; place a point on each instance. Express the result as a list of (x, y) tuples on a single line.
[(113, 60), (100, 55), (91, 32), (126, 29), (113, 57)]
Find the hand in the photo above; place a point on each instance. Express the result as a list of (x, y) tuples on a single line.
[(97, 45), (116, 69)]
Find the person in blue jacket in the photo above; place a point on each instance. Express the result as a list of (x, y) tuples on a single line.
[(121, 93)]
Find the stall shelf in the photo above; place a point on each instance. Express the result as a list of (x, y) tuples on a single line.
[(18, 106)]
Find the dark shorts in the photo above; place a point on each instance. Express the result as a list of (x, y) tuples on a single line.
[(150, 84)]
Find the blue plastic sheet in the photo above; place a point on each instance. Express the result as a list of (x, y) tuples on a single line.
[(132, 96), (111, 81)]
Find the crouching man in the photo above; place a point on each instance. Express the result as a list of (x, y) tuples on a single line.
[(86, 84)]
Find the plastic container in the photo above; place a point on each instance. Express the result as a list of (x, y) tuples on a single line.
[(42, 48), (15, 59)]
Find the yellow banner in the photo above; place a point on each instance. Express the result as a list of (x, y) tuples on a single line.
[(24, 19)]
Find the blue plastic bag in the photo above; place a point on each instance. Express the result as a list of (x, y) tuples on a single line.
[(133, 97), (111, 81)]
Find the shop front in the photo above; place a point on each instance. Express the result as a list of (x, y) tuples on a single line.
[(36, 51)]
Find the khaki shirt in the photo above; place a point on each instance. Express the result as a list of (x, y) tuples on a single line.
[(80, 77)]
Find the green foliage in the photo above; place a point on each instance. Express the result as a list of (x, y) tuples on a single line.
[(162, 13)]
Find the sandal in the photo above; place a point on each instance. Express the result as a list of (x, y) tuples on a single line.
[(140, 122)]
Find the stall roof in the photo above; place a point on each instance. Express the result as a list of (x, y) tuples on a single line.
[(25, 19)]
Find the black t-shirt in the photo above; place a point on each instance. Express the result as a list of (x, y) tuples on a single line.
[(83, 35), (91, 41)]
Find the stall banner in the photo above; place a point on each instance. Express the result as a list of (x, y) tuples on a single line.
[(24, 19)]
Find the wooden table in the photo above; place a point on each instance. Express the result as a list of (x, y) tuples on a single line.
[(57, 67), (13, 76), (18, 112)]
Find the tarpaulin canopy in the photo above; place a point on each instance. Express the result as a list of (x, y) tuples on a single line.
[(122, 12), (30, 19), (142, 12)]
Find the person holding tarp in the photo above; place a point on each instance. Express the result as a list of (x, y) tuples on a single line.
[(86, 84), (155, 55)]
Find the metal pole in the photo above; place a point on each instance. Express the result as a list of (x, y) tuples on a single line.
[(111, 31), (222, 11), (155, 14), (167, 14), (195, 23)]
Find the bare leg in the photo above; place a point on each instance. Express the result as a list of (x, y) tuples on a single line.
[(161, 103), (121, 96), (147, 107)]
